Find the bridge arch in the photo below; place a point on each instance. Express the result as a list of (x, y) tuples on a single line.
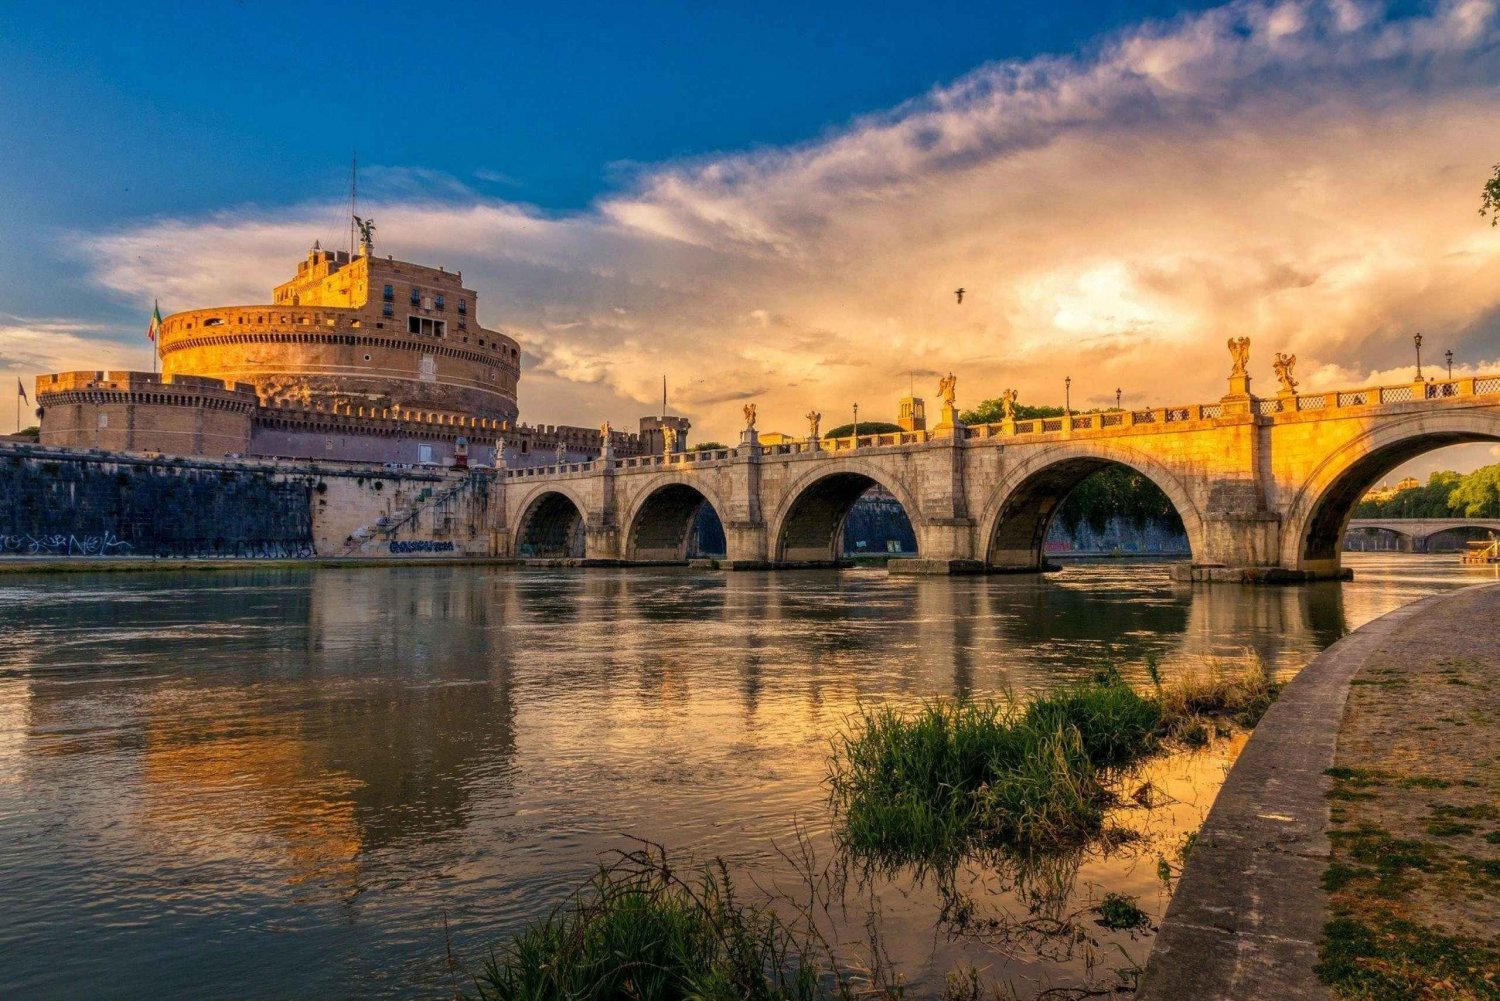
[(1013, 525), (660, 524), (552, 525), (808, 526), (1313, 529)]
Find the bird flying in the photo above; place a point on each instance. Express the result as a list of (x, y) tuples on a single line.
[(960, 293)]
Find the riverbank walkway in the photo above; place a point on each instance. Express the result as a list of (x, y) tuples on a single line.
[(1359, 829)]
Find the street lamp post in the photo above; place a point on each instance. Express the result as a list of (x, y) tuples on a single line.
[(1417, 340), (856, 425), (1449, 356), (1117, 398), (1068, 395)]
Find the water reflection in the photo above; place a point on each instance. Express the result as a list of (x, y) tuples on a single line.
[(282, 782)]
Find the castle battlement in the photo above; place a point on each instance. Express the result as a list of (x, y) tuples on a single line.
[(362, 359)]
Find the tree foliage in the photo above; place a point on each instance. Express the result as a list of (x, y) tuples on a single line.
[(707, 446), (1489, 197), (865, 427), (993, 411), (1478, 494), (1445, 495), (1117, 491)]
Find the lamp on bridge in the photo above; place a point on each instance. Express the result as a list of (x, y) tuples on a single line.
[(1448, 355), (1417, 340), (1117, 398), (1068, 395)]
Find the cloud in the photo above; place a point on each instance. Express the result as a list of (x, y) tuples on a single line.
[(1304, 173)]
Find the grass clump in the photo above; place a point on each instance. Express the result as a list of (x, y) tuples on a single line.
[(1395, 960), (1241, 693), (1119, 912), (964, 773), (641, 929)]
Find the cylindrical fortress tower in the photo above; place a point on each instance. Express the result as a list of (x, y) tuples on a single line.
[(365, 332)]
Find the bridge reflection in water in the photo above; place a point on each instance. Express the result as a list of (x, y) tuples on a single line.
[(281, 782)]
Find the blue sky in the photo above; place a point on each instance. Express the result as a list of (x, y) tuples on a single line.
[(775, 202)]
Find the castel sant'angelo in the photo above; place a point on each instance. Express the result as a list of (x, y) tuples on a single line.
[(357, 357)]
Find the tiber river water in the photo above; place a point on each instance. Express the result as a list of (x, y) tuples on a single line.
[(313, 784)]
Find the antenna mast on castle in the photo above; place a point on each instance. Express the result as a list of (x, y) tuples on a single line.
[(664, 396)]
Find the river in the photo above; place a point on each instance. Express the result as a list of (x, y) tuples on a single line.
[(314, 784)]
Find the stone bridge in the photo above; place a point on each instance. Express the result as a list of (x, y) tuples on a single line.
[(1264, 486), (1415, 532)]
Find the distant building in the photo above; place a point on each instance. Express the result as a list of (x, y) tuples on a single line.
[(774, 438), (362, 359), (1385, 492), (912, 414)]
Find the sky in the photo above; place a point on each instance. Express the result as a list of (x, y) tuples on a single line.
[(776, 204)]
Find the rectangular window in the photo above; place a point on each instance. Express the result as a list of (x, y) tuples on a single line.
[(104, 420), (388, 311), (426, 327), (389, 294), (416, 297), (424, 453), (439, 301), (463, 306)]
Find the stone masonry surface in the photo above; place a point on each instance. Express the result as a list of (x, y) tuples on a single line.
[(1250, 911)]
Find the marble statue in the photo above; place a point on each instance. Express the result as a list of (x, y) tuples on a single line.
[(1239, 350), (946, 387), (1283, 366)]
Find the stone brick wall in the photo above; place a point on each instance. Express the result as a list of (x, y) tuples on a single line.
[(56, 504)]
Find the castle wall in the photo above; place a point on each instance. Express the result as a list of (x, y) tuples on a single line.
[(56, 504), (144, 412)]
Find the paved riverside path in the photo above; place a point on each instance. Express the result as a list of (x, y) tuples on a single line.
[(1249, 911)]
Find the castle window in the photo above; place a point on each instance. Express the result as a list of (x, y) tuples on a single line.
[(104, 420), (463, 306), (389, 294), (416, 297), (367, 357), (464, 325), (423, 325), (388, 311)]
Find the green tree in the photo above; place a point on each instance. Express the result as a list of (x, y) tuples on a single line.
[(1478, 494), (992, 411), (707, 446), (1429, 501), (865, 427), (1489, 197)]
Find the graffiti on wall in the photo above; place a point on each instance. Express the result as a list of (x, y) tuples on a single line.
[(420, 546), (64, 544)]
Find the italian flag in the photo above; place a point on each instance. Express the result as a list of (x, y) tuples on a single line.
[(155, 328)]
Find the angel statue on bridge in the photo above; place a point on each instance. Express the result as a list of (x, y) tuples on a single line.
[(946, 386), (1008, 404), (1283, 367), (1239, 350), (749, 417), (814, 420)]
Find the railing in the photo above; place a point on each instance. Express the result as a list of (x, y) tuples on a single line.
[(1282, 406)]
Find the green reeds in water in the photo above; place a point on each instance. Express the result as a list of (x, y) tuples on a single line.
[(646, 929), (959, 774)]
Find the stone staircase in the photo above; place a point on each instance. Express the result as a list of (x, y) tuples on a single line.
[(427, 525)]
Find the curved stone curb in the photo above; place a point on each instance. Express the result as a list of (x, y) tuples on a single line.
[(1249, 911)]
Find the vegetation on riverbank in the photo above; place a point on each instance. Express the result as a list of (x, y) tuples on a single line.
[(1413, 881), (648, 929), (959, 774)]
